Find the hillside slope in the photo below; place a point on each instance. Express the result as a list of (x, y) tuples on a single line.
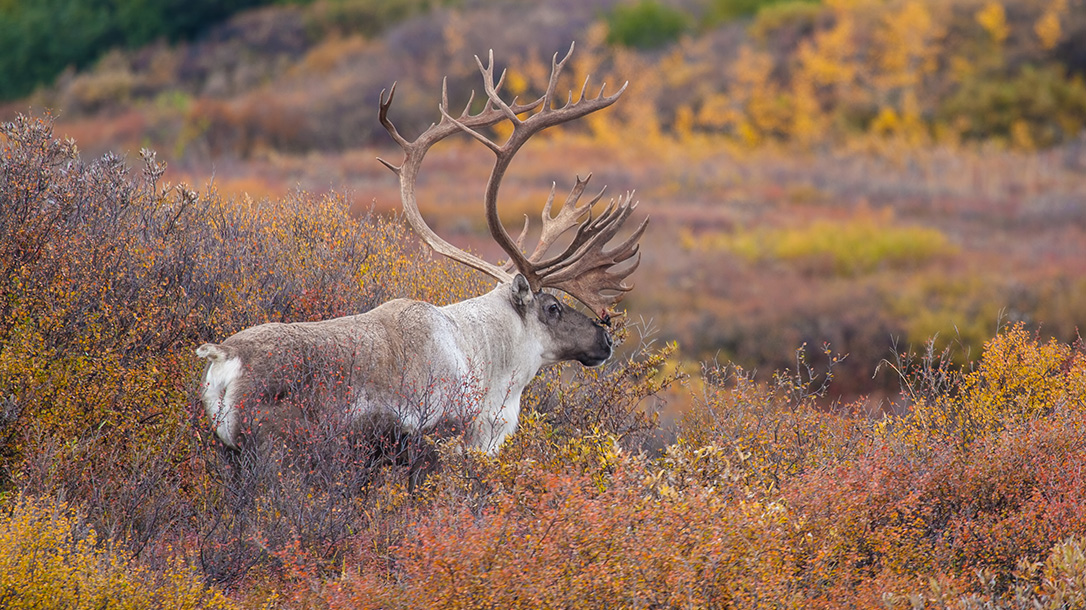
[(870, 175)]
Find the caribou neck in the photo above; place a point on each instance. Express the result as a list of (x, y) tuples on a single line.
[(500, 343)]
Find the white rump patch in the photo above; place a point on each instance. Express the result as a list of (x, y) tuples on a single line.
[(218, 397)]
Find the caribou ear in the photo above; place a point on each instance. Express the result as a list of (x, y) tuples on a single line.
[(522, 292)]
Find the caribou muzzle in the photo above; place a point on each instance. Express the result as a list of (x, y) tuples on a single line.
[(601, 348)]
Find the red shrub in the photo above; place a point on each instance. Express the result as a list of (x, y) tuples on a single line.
[(568, 544)]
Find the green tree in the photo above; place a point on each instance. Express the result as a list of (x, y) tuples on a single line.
[(41, 38), (645, 25), (720, 11)]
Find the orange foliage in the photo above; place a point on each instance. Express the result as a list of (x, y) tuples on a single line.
[(764, 496)]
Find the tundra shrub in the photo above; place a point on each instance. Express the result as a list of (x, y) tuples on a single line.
[(1017, 379), (111, 278), (758, 435), (50, 558), (566, 543)]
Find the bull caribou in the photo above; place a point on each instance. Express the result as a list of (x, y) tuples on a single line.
[(416, 364)]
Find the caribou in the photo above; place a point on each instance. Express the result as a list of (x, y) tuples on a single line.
[(418, 365)]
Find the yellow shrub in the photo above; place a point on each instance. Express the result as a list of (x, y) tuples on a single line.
[(1018, 378), (993, 18), (48, 559), (868, 242), (537, 450), (1048, 29)]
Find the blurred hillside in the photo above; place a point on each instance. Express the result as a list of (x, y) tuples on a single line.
[(865, 173), (42, 37), (896, 178)]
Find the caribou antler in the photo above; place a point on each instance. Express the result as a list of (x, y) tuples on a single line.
[(585, 268), (414, 151)]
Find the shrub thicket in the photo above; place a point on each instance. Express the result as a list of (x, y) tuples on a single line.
[(866, 243), (766, 500), (766, 496), (904, 73), (49, 558), (110, 280)]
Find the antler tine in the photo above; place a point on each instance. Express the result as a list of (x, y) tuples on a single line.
[(467, 107), (415, 151), (491, 88), (556, 69), (445, 93), (550, 201), (546, 216), (523, 130), (591, 234), (382, 116), (568, 217), (585, 268), (584, 87), (508, 265), (589, 272), (523, 234)]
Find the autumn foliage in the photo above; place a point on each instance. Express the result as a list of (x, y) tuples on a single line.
[(900, 178), (763, 494)]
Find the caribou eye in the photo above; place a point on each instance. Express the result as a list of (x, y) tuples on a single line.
[(553, 309)]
